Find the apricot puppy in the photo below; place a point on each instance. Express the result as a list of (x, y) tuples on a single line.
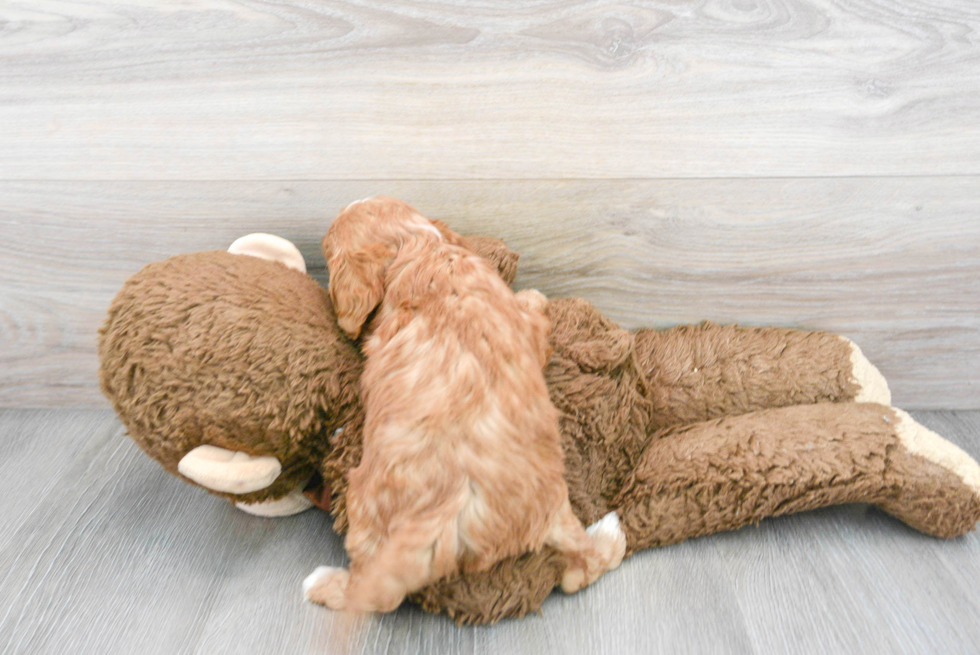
[(462, 464)]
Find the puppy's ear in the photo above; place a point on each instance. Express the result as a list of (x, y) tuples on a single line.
[(356, 283)]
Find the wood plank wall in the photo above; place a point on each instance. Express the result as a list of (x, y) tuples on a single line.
[(809, 163)]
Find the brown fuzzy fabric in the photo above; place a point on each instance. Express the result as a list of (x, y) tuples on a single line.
[(701, 372), (495, 251), (233, 351), (684, 432), (729, 472)]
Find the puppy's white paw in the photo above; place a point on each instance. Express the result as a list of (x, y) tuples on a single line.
[(609, 539), (609, 542), (572, 580), (314, 577), (327, 585)]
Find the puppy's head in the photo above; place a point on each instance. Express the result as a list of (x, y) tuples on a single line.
[(358, 248), (360, 245)]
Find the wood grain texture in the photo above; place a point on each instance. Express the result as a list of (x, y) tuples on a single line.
[(37, 449), (892, 263), (405, 89), (816, 577), (106, 553)]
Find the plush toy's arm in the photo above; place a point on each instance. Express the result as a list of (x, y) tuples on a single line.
[(701, 372), (723, 474)]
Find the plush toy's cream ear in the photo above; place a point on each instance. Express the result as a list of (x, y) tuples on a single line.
[(271, 247), (229, 471), (356, 283)]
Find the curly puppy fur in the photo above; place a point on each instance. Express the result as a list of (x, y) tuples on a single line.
[(462, 463)]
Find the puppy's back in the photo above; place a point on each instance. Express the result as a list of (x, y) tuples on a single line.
[(456, 393)]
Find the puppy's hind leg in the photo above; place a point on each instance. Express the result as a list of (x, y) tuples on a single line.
[(409, 560), (588, 553), (377, 585), (414, 556)]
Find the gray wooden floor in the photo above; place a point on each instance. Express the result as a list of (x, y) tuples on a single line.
[(103, 552)]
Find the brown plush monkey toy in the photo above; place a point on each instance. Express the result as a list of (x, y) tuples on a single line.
[(229, 369)]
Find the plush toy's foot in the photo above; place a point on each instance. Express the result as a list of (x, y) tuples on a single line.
[(940, 484), (873, 387), (922, 441), (292, 503), (327, 585)]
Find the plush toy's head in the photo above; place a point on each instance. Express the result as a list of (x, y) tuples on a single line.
[(234, 352), (231, 371)]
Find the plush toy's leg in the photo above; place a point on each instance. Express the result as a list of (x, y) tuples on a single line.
[(701, 372), (722, 474)]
